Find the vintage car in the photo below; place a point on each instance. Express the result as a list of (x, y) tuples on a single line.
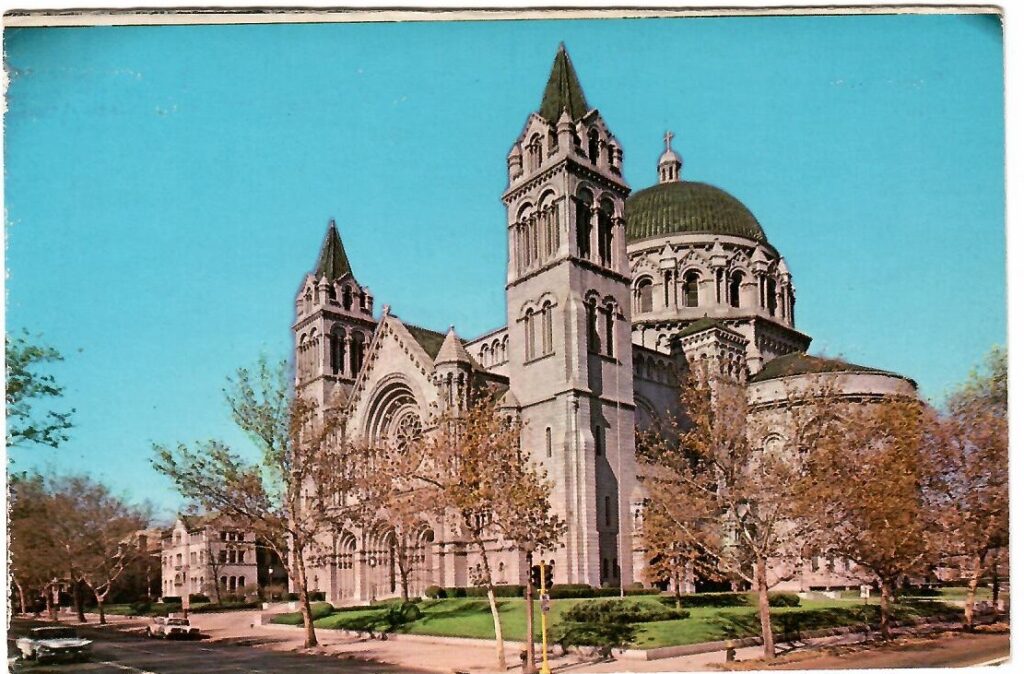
[(172, 627), (54, 643)]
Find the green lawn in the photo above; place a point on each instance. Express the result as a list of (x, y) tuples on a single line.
[(472, 618)]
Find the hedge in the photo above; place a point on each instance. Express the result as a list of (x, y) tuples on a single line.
[(611, 611), (171, 600), (579, 591)]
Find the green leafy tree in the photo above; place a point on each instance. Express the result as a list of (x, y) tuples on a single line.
[(29, 390), (294, 495)]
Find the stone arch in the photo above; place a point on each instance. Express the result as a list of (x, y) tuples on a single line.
[(392, 399)]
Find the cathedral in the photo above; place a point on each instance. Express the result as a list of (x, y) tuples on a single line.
[(609, 292)]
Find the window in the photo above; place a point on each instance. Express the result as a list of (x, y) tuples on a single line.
[(337, 349), (690, 281), (598, 440), (593, 146), (241, 556), (645, 295), (609, 329), (772, 299), (356, 353), (346, 298), (607, 511), (547, 440), (530, 343), (604, 233), (533, 153), (734, 288), (583, 226), (223, 581), (241, 582), (667, 288), (223, 556), (593, 338), (547, 343)]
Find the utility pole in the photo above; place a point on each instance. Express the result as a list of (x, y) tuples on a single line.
[(545, 606)]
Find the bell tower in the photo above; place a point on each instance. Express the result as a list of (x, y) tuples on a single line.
[(570, 353), (333, 326)]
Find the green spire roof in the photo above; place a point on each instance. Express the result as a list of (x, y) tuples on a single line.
[(333, 263), (563, 90)]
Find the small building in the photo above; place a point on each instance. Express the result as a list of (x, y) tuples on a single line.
[(214, 556)]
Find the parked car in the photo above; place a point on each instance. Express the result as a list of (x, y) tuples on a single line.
[(47, 644), (172, 628)]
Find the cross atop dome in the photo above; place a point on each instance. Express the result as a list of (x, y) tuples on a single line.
[(670, 165)]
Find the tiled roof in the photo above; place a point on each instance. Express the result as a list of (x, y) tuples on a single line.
[(682, 207), (563, 91), (702, 324), (802, 363), (333, 262), (430, 340)]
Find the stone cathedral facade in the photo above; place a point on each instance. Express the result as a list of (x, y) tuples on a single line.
[(609, 292)]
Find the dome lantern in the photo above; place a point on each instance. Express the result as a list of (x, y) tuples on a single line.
[(670, 165)]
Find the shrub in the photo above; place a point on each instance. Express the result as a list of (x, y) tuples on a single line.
[(710, 599), (622, 612), (139, 607), (455, 592), (317, 596), (499, 591), (922, 592), (783, 599), (198, 599), (400, 614), (604, 636), (171, 600), (435, 592)]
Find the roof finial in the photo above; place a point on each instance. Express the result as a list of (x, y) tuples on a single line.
[(670, 164)]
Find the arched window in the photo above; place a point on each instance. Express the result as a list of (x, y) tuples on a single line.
[(308, 299), (773, 302), (337, 349), (547, 440), (690, 284), (593, 338), (547, 343), (241, 582), (645, 295), (485, 355), (223, 581), (346, 298), (528, 326), (593, 146), (604, 232), (583, 227), (356, 353), (734, 288), (533, 152), (609, 329)]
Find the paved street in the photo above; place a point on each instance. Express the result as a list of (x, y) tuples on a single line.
[(116, 652), (959, 650)]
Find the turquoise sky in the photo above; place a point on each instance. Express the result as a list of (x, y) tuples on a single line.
[(168, 187)]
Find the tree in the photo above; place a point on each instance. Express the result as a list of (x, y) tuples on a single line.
[(28, 389), (72, 528), (865, 491), (108, 529), (720, 502), (970, 486), (33, 566), (473, 466), (295, 492)]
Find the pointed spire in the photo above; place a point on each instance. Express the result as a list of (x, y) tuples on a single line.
[(333, 262), (563, 91), (452, 350)]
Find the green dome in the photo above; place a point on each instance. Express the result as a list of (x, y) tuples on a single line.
[(682, 207)]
